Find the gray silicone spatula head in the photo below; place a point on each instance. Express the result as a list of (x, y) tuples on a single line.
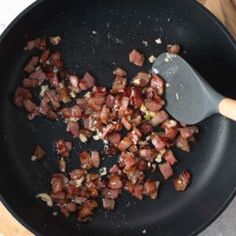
[(189, 97)]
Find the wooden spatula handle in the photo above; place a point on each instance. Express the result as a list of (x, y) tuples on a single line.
[(227, 108)]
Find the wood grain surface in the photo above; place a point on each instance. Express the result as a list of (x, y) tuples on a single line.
[(225, 10)]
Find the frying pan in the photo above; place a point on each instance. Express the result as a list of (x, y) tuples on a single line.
[(120, 25)]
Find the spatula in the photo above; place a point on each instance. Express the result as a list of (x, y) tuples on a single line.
[(190, 99)]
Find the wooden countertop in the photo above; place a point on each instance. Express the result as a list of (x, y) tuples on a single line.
[(225, 10)]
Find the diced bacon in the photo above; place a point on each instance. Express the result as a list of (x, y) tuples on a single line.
[(129, 186), (110, 101), (64, 95), (85, 160), (30, 83), (142, 165), (58, 182), (53, 79), (58, 197), (142, 79), (135, 135), (71, 207), (166, 170), (151, 189), (127, 160), (77, 174), (108, 204), (71, 112), (74, 83), (114, 138), (159, 117), (51, 115), (118, 85), (188, 132), (95, 159), (114, 169), (104, 114), (86, 210), (152, 105), (136, 97), (138, 191), (169, 157), (73, 128), (63, 147), (148, 154), (124, 144), (120, 72), (136, 119), (44, 56), (56, 59), (39, 153), (39, 43), (182, 143), (115, 182), (158, 141), (158, 84), (110, 150), (173, 48), (54, 98), (20, 95), (87, 81), (30, 67), (111, 193), (38, 75), (146, 128), (126, 123), (82, 103), (182, 181), (29, 105), (136, 58)]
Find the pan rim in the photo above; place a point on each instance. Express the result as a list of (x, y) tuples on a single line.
[(231, 40)]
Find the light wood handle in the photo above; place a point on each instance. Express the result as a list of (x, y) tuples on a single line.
[(227, 108)]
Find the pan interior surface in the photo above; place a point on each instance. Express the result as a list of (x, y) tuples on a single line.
[(97, 36)]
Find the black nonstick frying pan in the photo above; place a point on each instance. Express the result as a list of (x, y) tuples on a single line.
[(120, 25)]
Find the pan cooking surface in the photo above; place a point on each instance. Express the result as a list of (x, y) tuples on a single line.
[(97, 36)]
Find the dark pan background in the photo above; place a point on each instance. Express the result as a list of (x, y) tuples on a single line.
[(120, 25)]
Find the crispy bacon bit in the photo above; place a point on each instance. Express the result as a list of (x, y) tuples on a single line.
[(44, 56), (169, 157), (110, 150), (138, 191), (56, 59), (30, 83), (148, 154), (120, 72), (136, 58), (39, 153), (118, 85), (188, 132), (158, 141), (38, 75), (104, 115), (20, 95), (146, 128), (182, 143), (30, 67), (152, 105), (39, 43), (126, 123), (74, 83), (87, 81), (115, 182), (114, 138), (136, 97), (85, 161), (108, 204), (182, 181), (72, 113), (166, 170), (64, 95), (151, 189), (95, 159), (110, 193), (86, 210), (63, 147), (73, 128), (175, 48), (158, 84), (142, 79), (124, 144), (110, 101), (159, 117)]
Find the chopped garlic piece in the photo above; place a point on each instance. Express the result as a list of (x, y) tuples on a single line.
[(145, 43), (103, 171), (43, 89), (45, 198), (158, 41), (152, 59), (158, 159), (83, 138)]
